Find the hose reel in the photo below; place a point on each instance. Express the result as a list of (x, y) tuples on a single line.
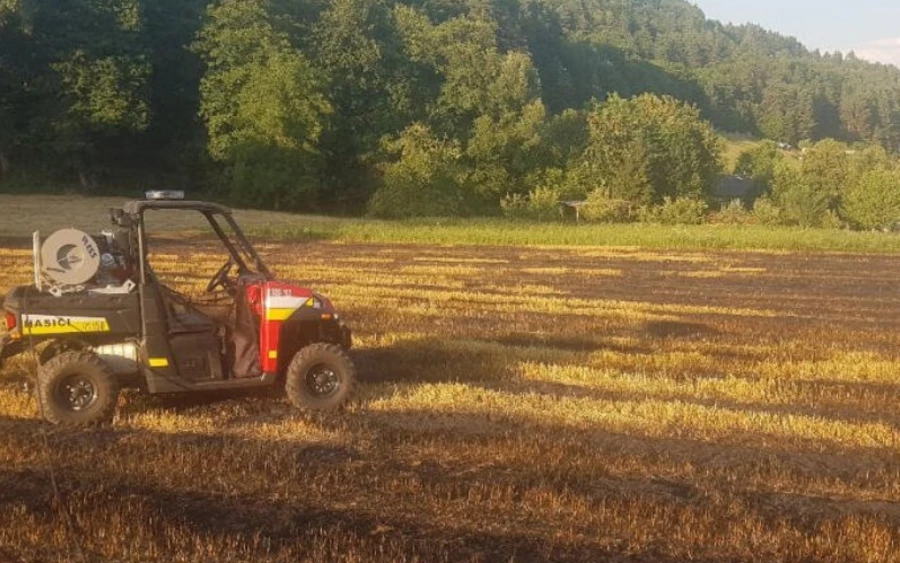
[(68, 259)]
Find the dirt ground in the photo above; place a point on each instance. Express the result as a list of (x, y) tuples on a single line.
[(516, 404)]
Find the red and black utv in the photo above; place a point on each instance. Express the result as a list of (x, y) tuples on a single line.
[(100, 320)]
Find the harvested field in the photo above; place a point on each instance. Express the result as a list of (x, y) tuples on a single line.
[(517, 404)]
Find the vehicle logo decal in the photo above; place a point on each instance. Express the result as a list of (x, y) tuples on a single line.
[(281, 307), (52, 324)]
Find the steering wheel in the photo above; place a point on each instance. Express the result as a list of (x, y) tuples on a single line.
[(221, 277)]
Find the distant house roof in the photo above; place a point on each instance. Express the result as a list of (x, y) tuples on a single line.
[(733, 187)]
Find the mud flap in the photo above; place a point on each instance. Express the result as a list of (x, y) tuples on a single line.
[(346, 337), (10, 348)]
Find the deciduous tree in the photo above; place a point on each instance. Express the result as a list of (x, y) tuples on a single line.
[(263, 105)]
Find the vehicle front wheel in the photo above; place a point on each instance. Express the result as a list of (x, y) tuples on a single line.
[(320, 377), (77, 388)]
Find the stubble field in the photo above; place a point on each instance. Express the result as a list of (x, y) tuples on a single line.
[(516, 404)]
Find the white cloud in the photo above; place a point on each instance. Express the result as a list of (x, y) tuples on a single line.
[(883, 51)]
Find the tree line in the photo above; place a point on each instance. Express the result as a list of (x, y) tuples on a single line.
[(419, 107)]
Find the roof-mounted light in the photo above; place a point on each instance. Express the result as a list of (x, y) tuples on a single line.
[(164, 195)]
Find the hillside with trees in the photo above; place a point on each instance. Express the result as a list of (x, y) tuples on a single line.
[(438, 107)]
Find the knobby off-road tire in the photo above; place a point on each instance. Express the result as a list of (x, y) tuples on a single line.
[(57, 347), (77, 389), (321, 377)]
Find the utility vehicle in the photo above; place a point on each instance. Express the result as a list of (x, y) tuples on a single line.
[(100, 319)]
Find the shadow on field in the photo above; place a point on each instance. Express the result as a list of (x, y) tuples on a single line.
[(741, 453), (133, 401), (214, 504), (230, 489), (429, 361), (679, 330), (436, 360), (432, 361), (568, 343), (290, 529)]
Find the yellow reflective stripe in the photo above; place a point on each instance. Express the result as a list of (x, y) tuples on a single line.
[(72, 327), (279, 314), (158, 362), (273, 354), (284, 313)]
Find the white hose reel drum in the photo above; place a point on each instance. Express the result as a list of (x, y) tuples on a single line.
[(70, 257)]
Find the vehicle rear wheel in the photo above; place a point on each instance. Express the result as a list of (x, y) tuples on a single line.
[(320, 377), (77, 388), (57, 347)]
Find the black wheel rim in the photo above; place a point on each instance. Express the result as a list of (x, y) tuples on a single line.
[(77, 393), (323, 380)]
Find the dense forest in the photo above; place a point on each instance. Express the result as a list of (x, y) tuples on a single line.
[(411, 107)]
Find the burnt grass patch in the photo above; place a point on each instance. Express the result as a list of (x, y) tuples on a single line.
[(514, 404)]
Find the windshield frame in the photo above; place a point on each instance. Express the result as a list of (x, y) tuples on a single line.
[(243, 249), (240, 250)]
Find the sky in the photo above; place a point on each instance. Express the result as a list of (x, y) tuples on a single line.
[(870, 28)]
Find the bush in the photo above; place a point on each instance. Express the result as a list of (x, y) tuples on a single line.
[(650, 147), (263, 175), (682, 211), (765, 212), (831, 220), (758, 164), (732, 214), (874, 200), (603, 209), (426, 181), (264, 106), (541, 204), (801, 201), (828, 170)]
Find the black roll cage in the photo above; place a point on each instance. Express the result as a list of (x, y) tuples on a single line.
[(134, 211)]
